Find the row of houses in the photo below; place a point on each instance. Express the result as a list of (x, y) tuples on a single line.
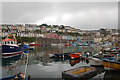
[(42, 28), (49, 31), (46, 35)]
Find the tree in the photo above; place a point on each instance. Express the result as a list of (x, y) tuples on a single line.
[(104, 32)]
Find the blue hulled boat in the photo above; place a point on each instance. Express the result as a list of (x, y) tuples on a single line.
[(10, 47)]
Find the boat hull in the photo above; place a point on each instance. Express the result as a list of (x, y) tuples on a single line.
[(74, 56), (83, 73), (10, 51), (95, 62), (34, 44), (111, 65), (67, 45)]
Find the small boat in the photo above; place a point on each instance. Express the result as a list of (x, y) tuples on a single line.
[(111, 64), (19, 76), (65, 55), (31, 47), (113, 50), (87, 54), (24, 45), (79, 54), (34, 44), (98, 55), (74, 56), (85, 44), (95, 62), (107, 49), (80, 44), (68, 44), (10, 47), (102, 56), (83, 73), (53, 44)]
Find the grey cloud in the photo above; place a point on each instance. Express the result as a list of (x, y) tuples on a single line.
[(82, 15)]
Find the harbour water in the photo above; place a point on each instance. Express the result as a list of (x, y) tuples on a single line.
[(37, 63)]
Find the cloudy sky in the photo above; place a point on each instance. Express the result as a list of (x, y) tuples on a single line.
[(81, 15)]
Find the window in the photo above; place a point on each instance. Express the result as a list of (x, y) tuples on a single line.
[(11, 42)]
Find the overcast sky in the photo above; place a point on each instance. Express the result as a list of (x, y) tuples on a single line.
[(81, 15)]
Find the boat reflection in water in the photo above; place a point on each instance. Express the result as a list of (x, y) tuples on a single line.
[(112, 75), (12, 65), (40, 65), (9, 61), (73, 62)]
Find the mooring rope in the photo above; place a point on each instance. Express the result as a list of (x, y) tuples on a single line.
[(26, 65)]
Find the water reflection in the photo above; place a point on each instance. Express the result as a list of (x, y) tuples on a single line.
[(73, 62), (41, 66), (10, 61), (112, 75), (10, 66)]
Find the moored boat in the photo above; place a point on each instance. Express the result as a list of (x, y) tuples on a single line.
[(67, 44), (65, 55), (74, 56), (95, 62), (34, 44), (10, 47), (111, 64), (24, 45), (84, 72), (87, 54), (19, 76)]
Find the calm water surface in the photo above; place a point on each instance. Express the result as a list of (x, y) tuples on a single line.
[(41, 66)]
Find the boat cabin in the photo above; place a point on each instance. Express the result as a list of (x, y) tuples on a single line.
[(9, 42)]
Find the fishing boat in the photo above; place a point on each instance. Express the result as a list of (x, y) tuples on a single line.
[(111, 64), (83, 73), (10, 47)]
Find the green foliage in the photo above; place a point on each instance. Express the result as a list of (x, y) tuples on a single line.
[(104, 32), (25, 39)]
